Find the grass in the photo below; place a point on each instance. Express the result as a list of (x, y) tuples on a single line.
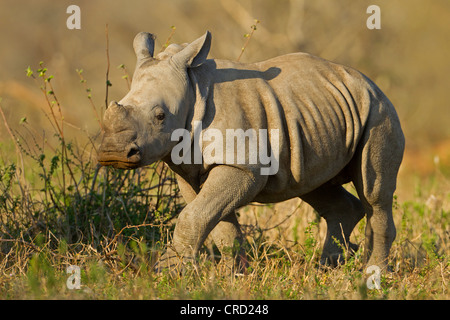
[(37, 269), (58, 208)]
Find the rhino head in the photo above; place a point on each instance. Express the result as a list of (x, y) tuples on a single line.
[(138, 128)]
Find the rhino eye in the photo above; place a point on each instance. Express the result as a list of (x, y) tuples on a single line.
[(160, 116)]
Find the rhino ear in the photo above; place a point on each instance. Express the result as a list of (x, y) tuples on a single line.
[(144, 45), (195, 53)]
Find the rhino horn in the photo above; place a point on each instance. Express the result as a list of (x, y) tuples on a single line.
[(116, 118), (144, 45)]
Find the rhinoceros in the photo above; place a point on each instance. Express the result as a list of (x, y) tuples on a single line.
[(329, 124)]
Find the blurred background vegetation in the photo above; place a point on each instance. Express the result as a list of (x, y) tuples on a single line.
[(407, 58)]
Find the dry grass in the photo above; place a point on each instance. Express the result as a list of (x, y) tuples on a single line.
[(279, 266)]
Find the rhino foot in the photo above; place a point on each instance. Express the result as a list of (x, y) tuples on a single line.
[(236, 266), (335, 259), (174, 264)]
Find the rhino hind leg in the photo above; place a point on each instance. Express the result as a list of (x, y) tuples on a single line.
[(377, 199), (374, 174), (228, 238), (342, 212)]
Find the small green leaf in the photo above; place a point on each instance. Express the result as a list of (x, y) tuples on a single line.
[(42, 72), (29, 72)]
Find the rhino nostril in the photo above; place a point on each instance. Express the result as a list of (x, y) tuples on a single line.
[(133, 152)]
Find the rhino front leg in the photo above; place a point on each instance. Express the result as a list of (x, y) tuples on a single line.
[(226, 189), (226, 234)]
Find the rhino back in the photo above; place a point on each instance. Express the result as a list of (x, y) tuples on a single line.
[(319, 107)]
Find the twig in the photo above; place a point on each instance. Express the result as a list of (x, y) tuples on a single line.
[(108, 84), (129, 227), (126, 76), (89, 96), (166, 44), (52, 92), (19, 153), (34, 247), (248, 36)]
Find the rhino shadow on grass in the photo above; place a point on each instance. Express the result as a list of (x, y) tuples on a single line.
[(329, 124)]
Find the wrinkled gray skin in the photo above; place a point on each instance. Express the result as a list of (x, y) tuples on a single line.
[(335, 126)]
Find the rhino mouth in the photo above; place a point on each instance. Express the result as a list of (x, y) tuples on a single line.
[(129, 160), (119, 164)]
